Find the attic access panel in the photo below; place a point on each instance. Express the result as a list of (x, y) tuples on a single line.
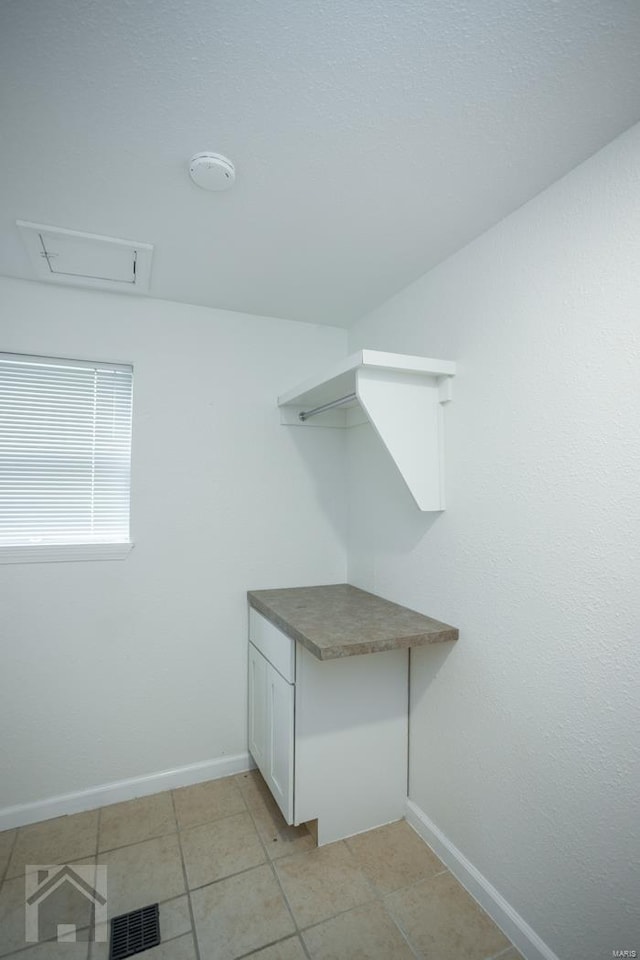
[(86, 259)]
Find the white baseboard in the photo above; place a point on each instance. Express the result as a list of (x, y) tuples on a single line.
[(106, 793), (509, 920)]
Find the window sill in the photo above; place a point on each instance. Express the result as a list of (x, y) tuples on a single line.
[(54, 553)]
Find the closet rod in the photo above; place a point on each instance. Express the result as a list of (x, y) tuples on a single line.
[(326, 406)]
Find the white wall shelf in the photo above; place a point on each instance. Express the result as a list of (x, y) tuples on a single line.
[(401, 396)]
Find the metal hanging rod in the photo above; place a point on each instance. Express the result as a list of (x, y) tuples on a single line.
[(326, 406)]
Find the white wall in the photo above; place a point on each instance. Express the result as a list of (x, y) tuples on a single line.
[(115, 669), (525, 736)]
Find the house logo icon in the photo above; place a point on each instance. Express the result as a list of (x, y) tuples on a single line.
[(66, 902)]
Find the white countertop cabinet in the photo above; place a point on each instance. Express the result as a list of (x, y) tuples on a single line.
[(329, 737)]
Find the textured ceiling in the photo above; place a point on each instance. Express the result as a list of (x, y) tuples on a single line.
[(371, 137)]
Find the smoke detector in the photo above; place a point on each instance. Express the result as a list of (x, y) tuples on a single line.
[(212, 171)]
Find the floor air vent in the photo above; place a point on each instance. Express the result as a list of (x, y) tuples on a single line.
[(134, 932)]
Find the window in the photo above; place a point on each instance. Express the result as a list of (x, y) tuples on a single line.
[(65, 457)]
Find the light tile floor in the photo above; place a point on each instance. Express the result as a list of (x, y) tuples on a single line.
[(233, 880)]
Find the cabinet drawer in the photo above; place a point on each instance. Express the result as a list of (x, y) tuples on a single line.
[(273, 644)]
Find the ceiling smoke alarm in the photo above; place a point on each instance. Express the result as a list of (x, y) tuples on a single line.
[(212, 171)]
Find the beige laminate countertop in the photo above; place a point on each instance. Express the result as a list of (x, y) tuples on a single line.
[(342, 621)]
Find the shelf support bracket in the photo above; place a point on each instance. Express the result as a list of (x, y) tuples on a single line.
[(406, 413)]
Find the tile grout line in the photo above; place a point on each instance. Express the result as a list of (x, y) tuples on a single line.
[(124, 846), (340, 913), (381, 898), (267, 946), (271, 863), (253, 810), (433, 876), (227, 876), (5, 879), (194, 934), (14, 843), (370, 883), (177, 829), (376, 897), (415, 883), (414, 950), (92, 926), (405, 936), (403, 933), (98, 825), (30, 946), (408, 721), (15, 876)]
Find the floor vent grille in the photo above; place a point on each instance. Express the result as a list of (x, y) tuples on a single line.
[(134, 932)]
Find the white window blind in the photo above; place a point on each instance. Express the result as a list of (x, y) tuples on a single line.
[(65, 452)]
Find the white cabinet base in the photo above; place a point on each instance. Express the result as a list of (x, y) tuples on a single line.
[(351, 735), (330, 737)]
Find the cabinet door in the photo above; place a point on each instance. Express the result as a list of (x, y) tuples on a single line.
[(271, 729), (280, 753), (258, 720)]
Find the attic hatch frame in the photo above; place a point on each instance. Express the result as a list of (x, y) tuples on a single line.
[(401, 396), (40, 242)]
